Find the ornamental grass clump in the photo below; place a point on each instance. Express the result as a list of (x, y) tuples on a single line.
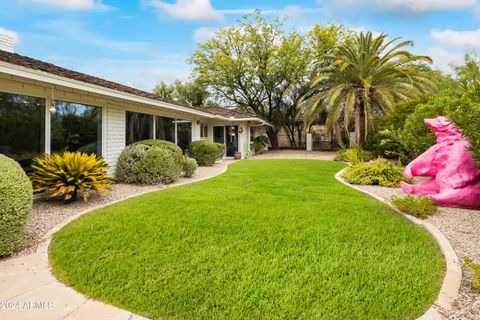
[(65, 175), (15, 205), (377, 172), (353, 155), (469, 265), (420, 207)]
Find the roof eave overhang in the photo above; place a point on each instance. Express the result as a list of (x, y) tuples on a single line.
[(16, 70)]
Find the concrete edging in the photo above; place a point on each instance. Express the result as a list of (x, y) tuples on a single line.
[(453, 273)]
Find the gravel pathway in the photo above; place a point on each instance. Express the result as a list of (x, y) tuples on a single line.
[(46, 214), (462, 228)]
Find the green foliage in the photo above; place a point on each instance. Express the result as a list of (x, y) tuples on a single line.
[(158, 165), (416, 136), (135, 159), (193, 92), (378, 172), (420, 207), (365, 75), (255, 66), (204, 151), (15, 205), (189, 167), (172, 147), (353, 155), (64, 175), (402, 134), (468, 264), (220, 150), (260, 143), (127, 169), (467, 117), (274, 229)]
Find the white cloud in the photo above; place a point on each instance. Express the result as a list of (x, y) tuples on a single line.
[(71, 4), (11, 34), (193, 10), (426, 5), (414, 6), (443, 58), (291, 11), (203, 34), (457, 39)]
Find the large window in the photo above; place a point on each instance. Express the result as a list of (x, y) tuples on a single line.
[(139, 127), (184, 134), (76, 127), (22, 127), (165, 128), (203, 131)]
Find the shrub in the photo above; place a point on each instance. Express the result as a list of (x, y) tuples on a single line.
[(205, 152), (164, 145), (420, 207), (128, 163), (132, 163), (189, 167), (66, 174), (15, 205), (220, 150), (467, 118), (468, 264), (378, 172), (259, 143), (353, 156), (158, 166)]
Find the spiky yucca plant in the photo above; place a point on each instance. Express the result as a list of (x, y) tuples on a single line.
[(66, 174)]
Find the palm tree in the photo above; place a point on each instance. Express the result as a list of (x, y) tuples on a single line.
[(366, 74)]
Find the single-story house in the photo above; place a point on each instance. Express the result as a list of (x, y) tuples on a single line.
[(45, 108)]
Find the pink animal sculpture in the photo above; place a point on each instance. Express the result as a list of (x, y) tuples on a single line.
[(455, 174)]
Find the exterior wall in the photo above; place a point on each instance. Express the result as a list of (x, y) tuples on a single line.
[(113, 114), (115, 135)]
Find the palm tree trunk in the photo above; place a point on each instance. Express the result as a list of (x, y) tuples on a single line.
[(360, 127)]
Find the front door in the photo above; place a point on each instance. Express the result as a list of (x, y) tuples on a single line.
[(232, 140)]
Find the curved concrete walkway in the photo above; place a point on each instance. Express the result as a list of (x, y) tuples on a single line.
[(28, 290)]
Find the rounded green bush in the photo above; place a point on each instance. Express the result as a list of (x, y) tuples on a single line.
[(16, 199), (158, 166), (164, 145), (128, 163), (189, 167), (378, 172), (220, 150), (205, 152)]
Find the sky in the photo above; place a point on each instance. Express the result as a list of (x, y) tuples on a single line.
[(142, 42)]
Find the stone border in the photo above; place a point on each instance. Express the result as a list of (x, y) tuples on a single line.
[(453, 274)]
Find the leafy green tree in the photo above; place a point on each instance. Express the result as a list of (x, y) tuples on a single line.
[(469, 72), (192, 92), (256, 67), (366, 75)]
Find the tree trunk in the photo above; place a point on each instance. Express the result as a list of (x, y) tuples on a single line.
[(360, 125), (272, 134)]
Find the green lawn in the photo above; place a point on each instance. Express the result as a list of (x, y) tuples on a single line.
[(269, 239)]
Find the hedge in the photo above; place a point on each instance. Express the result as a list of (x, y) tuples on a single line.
[(16, 199)]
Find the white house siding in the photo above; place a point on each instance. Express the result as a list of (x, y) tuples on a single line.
[(115, 135)]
